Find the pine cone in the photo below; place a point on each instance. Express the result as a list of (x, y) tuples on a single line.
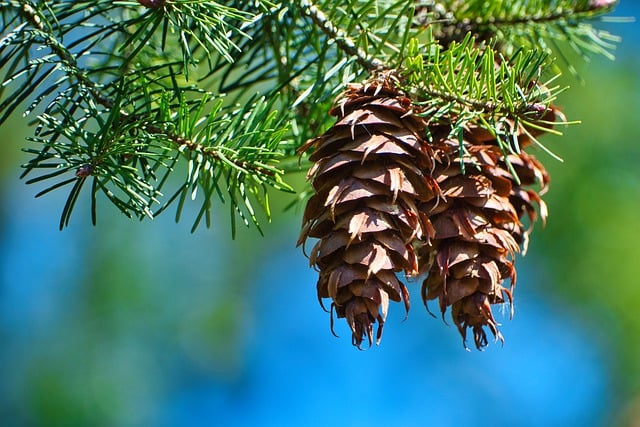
[(370, 173), (478, 225)]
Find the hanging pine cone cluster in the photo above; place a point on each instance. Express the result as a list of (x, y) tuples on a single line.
[(388, 199)]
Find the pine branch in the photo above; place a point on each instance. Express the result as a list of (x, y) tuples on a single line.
[(340, 38), (67, 59), (531, 24), (468, 84), (135, 140), (206, 26), (131, 152), (119, 87), (465, 77), (306, 52)]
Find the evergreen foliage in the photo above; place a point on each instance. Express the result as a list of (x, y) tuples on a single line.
[(126, 94)]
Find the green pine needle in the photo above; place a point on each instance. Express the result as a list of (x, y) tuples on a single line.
[(156, 102)]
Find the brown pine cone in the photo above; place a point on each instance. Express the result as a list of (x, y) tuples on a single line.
[(370, 173), (479, 225)]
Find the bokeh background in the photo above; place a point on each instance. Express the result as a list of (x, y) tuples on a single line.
[(145, 324)]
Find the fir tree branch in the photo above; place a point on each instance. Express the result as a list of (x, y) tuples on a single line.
[(476, 78), (341, 39), (477, 15), (112, 133), (71, 64), (593, 8), (306, 52), (522, 23), (66, 58), (182, 143), (118, 104), (471, 85)]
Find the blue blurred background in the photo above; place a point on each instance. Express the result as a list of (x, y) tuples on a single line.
[(145, 324)]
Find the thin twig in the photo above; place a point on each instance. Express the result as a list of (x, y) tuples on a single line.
[(342, 40)]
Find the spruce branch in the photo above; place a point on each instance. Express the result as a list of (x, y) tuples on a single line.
[(471, 85), (340, 38), (67, 59), (531, 24), (135, 153), (306, 52), (129, 133), (126, 93), (476, 79), (208, 26)]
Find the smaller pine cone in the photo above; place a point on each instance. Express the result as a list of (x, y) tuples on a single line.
[(369, 176), (478, 226)]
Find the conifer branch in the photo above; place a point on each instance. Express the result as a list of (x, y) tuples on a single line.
[(127, 91), (66, 58), (475, 15), (338, 36), (144, 126), (477, 85), (71, 64), (592, 9), (468, 86), (516, 24)]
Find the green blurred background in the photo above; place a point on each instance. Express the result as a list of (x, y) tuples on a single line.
[(145, 324)]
